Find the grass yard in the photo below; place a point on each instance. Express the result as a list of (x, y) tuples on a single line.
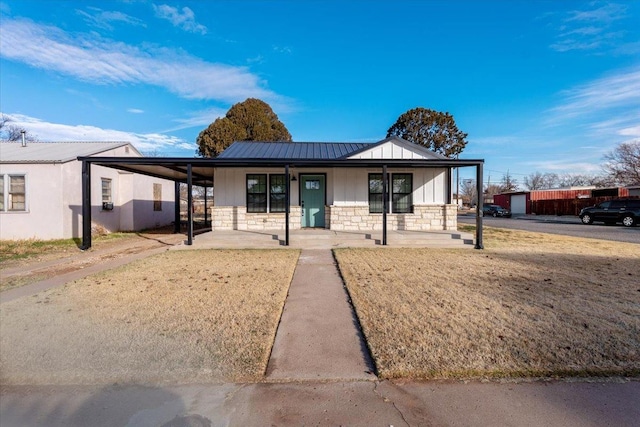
[(181, 317), (530, 304)]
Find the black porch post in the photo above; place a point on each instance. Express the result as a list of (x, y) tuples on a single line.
[(176, 207), (385, 204), (449, 180), (189, 206), (287, 190), (205, 206), (479, 178), (86, 204)]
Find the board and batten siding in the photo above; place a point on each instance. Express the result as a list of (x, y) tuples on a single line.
[(344, 186), (390, 151)]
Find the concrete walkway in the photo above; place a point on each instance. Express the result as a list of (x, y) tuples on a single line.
[(318, 337)]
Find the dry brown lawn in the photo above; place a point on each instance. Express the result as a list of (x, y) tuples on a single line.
[(530, 304), (180, 317)]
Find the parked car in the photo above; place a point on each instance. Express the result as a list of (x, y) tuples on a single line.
[(625, 211), (495, 210)]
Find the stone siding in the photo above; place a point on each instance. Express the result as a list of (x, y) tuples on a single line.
[(339, 218), (423, 218), (237, 218)]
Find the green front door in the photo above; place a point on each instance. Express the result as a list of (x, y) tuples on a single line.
[(312, 200)]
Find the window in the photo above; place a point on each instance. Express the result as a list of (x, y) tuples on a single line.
[(17, 200), (107, 201), (277, 193), (401, 190), (375, 193), (1, 193), (157, 197), (256, 193)]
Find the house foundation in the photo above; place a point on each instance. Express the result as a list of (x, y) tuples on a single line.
[(339, 218)]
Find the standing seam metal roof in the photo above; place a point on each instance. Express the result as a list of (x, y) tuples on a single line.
[(291, 150)]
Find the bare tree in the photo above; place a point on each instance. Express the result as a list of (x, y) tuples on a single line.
[(622, 164), (468, 191), (11, 132), (534, 181), (508, 183)]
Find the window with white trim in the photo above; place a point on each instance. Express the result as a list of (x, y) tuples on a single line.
[(17, 200), (107, 197), (1, 193)]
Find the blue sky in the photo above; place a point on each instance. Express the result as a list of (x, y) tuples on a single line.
[(538, 85)]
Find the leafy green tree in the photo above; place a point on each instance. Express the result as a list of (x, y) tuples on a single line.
[(251, 120), (432, 129)]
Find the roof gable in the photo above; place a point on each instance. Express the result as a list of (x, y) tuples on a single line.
[(396, 149), (55, 152)]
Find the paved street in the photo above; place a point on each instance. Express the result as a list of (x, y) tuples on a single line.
[(565, 225)]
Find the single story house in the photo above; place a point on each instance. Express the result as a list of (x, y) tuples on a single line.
[(335, 197), (390, 184), (41, 197)]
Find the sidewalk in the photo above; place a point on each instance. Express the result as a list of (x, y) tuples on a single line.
[(319, 336)]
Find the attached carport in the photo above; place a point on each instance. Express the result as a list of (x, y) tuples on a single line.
[(199, 171)]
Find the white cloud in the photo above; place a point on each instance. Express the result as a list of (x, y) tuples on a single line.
[(148, 142), (135, 110), (103, 19), (197, 119), (184, 18), (616, 96), (590, 29), (102, 61)]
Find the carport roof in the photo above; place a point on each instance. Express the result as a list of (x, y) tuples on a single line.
[(246, 154)]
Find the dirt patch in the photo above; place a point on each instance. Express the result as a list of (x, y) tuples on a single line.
[(179, 317), (55, 258), (531, 304)]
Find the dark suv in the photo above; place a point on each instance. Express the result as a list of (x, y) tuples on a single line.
[(495, 210), (626, 211)]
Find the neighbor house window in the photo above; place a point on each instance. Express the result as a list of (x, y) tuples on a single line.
[(1, 193), (157, 197), (256, 193), (400, 190), (107, 200), (277, 193), (17, 193)]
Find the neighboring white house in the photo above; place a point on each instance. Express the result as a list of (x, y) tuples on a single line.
[(332, 185), (41, 191)]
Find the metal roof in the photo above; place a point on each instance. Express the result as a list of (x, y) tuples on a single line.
[(53, 152), (291, 150)]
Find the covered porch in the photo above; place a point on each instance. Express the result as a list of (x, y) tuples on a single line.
[(328, 239)]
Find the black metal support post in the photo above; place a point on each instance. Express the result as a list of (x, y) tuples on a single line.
[(287, 190), (449, 181), (205, 206), (189, 206), (176, 207), (479, 178), (86, 204), (385, 204)]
